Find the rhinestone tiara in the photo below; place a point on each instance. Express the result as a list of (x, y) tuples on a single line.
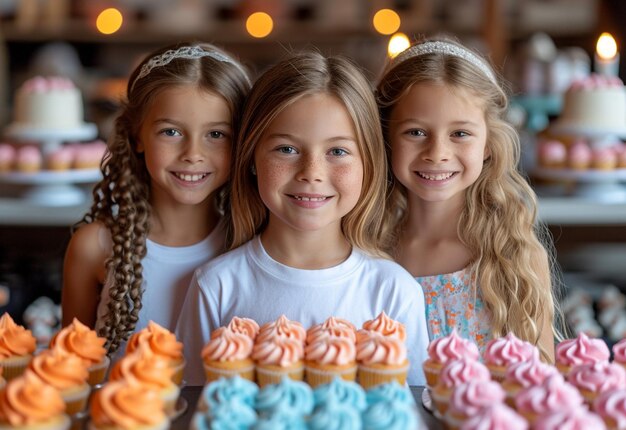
[(188, 52), (440, 47)]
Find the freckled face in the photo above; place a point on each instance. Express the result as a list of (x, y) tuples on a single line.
[(308, 164)]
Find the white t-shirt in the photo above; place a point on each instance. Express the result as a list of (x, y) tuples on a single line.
[(247, 282), (167, 273)]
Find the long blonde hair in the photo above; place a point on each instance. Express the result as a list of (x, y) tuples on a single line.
[(121, 198), (511, 252), (283, 84)]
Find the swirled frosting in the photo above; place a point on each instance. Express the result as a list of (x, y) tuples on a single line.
[(282, 327), (581, 350), (288, 397), (597, 377), (79, 339), (280, 422), (245, 326), (336, 326), (553, 394), (227, 345), (375, 348), (386, 326), (278, 351), (160, 340), (456, 372), (340, 391), (452, 347), (390, 416), (126, 405), (612, 404), (28, 400), (507, 350), (527, 373), (330, 349), (144, 367), (570, 419), (619, 352), (468, 398), (231, 414), (496, 417), (224, 389), (335, 416), (391, 391), (59, 368), (15, 340)]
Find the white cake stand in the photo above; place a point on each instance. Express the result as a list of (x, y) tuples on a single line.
[(51, 188)]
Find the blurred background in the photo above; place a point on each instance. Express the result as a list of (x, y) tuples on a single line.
[(539, 46)]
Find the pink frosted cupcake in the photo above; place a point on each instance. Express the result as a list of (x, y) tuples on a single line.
[(228, 354), (552, 154), (7, 157), (603, 158), (502, 352), (468, 399), (619, 353), (246, 326), (579, 155), (28, 159), (335, 326), (581, 350), (611, 407), (454, 373), (282, 327), (553, 394), (620, 150), (60, 159), (451, 347), (496, 417), (525, 374), (596, 378), (570, 418), (17, 346)]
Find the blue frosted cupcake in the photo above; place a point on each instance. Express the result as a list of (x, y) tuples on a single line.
[(278, 421), (224, 389), (287, 397), (342, 392), (336, 416), (391, 392), (390, 415), (230, 414)]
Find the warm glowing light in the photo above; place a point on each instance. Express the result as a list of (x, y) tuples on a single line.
[(386, 21), (397, 43), (109, 21), (606, 46), (259, 24)]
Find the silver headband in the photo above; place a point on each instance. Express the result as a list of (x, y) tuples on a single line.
[(188, 52), (439, 47)]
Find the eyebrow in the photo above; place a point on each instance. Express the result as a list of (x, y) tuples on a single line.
[(210, 123), (454, 123), (294, 138)]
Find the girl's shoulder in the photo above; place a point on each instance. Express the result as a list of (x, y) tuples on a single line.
[(93, 238)]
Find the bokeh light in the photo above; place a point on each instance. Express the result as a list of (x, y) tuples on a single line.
[(386, 21), (109, 21), (397, 43), (259, 24), (606, 46)]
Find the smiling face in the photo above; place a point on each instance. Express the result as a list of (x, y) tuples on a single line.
[(308, 166), (186, 139), (438, 141)]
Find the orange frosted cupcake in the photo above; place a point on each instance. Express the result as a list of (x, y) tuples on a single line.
[(228, 354), (329, 356), (145, 367), (122, 405), (581, 350), (380, 359), (282, 327), (67, 373), (246, 326), (27, 402), (334, 326), (163, 343), (443, 349), (17, 345), (79, 339)]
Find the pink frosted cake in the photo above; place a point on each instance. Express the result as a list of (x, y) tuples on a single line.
[(505, 351), (443, 349), (611, 406), (525, 374), (596, 378), (553, 394), (581, 350)]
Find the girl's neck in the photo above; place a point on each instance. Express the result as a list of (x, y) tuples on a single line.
[(305, 250), (182, 225), (434, 220)]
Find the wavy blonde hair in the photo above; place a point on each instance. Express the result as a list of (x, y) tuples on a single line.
[(511, 252), (121, 200), (284, 83)]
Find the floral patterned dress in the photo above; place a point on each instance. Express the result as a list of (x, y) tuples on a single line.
[(451, 302)]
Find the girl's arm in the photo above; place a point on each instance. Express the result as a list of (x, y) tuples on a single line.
[(84, 272)]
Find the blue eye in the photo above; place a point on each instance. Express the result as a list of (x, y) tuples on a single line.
[(286, 149), (171, 132), (338, 152)]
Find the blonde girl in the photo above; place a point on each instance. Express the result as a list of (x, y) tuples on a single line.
[(157, 213), (309, 182), (461, 218)]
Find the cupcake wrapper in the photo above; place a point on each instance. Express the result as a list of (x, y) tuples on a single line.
[(315, 376), (76, 401), (61, 422), (14, 367), (369, 376), (214, 373), (268, 376), (165, 425), (98, 371), (177, 377), (441, 401), (170, 397)]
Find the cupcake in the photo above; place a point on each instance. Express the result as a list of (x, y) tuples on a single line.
[(67, 373), (335, 415), (230, 414), (496, 417), (224, 389), (619, 353), (469, 398), (611, 407), (28, 159), (328, 356), (620, 150), (603, 158), (570, 418), (125, 404), (228, 354), (60, 159), (163, 343), (79, 339), (579, 155), (381, 359), (386, 326), (27, 402), (525, 374), (17, 345), (391, 391), (553, 394), (552, 154), (347, 392), (457, 372), (505, 351), (246, 326), (287, 397), (282, 327), (89, 155), (446, 348), (143, 366), (336, 326), (596, 378), (7, 157), (581, 350), (390, 415)]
